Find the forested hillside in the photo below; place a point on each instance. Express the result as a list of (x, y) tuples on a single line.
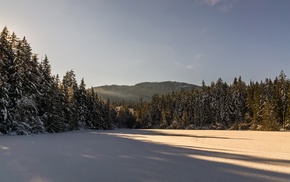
[(141, 90), (32, 100), (257, 106)]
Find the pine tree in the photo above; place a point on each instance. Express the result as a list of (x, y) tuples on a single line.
[(283, 90), (70, 87), (3, 110), (184, 120), (287, 115), (155, 110), (54, 107), (109, 117), (34, 101), (81, 103), (94, 109), (163, 121), (11, 80), (269, 122), (175, 123)]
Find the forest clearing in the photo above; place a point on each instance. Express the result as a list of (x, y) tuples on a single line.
[(146, 155)]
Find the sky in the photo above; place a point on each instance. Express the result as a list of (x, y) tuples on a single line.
[(126, 42)]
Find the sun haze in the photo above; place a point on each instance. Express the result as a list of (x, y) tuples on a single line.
[(129, 41)]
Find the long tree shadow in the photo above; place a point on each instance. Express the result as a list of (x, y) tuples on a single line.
[(204, 151), (101, 156), (158, 133), (176, 161)]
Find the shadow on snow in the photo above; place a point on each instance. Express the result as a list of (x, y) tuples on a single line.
[(99, 156)]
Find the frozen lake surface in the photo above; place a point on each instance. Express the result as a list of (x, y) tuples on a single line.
[(146, 155)]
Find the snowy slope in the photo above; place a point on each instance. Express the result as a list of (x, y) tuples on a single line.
[(145, 155)]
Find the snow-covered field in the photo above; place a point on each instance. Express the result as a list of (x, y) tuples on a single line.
[(146, 155)]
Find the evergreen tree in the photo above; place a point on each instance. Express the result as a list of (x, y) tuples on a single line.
[(54, 108), (269, 121), (163, 121), (94, 109), (81, 103), (3, 110), (34, 101), (70, 88), (155, 110)]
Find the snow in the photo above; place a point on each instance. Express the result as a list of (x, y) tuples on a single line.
[(146, 155), (4, 115)]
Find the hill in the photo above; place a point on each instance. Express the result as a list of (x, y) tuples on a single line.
[(141, 90)]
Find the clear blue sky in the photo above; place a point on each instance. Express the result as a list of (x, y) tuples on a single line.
[(131, 41)]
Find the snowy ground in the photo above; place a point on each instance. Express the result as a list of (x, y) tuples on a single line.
[(146, 155)]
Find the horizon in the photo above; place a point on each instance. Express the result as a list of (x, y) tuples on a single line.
[(108, 42)]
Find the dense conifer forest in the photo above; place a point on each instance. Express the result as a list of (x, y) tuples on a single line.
[(32, 100), (238, 106)]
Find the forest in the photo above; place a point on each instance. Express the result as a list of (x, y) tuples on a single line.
[(145, 90), (32, 100), (261, 105)]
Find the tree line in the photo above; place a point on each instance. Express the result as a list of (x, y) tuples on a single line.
[(32, 100), (261, 105)]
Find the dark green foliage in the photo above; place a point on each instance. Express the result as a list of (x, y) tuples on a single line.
[(126, 118), (257, 106), (34, 101), (142, 90)]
